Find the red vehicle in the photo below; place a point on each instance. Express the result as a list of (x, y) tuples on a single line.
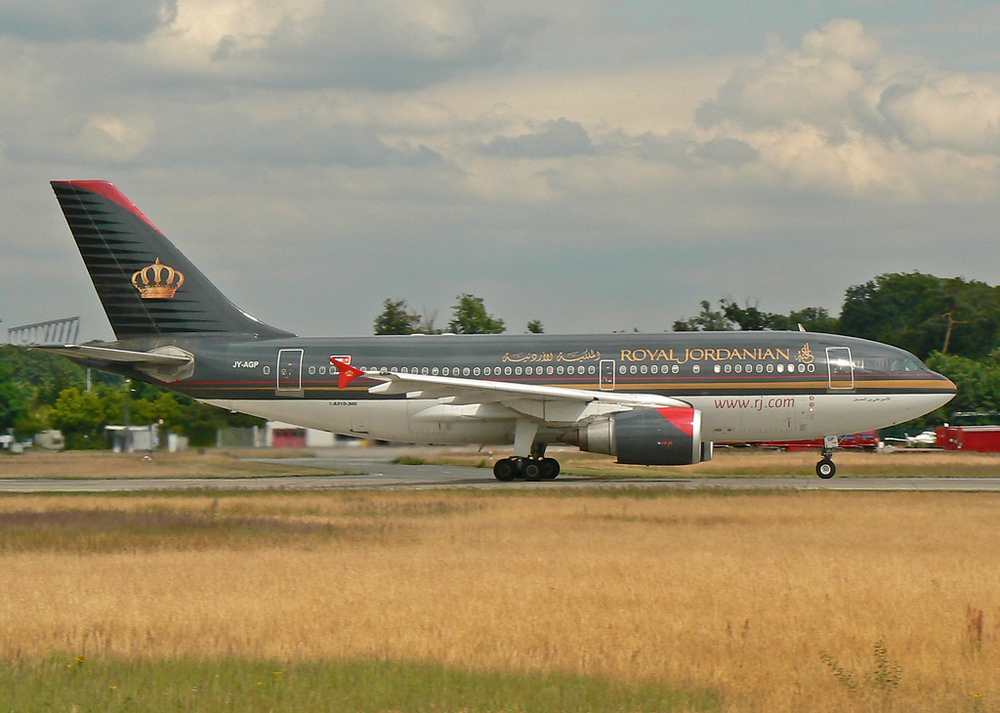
[(978, 439), (866, 441)]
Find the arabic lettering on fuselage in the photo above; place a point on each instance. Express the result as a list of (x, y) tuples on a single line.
[(547, 357), (712, 355)]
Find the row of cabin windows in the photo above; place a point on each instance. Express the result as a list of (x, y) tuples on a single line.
[(477, 371), (720, 368), (583, 370)]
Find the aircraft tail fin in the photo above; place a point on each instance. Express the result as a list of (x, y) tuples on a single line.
[(146, 285)]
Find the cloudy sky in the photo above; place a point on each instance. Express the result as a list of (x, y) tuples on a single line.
[(595, 164)]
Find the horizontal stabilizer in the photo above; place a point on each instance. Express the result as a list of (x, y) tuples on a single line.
[(117, 356), (166, 364)]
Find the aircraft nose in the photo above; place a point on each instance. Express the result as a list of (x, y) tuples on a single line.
[(946, 388)]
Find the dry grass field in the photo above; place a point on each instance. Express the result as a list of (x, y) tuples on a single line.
[(780, 602), (105, 464)]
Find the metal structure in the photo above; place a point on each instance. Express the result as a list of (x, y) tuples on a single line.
[(54, 331)]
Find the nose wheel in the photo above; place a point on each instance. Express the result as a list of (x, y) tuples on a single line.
[(826, 468)]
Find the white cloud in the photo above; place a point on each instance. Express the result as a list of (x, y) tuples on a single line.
[(841, 115), (376, 44), (951, 111)]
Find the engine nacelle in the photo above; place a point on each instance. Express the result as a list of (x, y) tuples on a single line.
[(649, 436)]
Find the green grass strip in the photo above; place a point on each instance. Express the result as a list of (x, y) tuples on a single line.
[(62, 683)]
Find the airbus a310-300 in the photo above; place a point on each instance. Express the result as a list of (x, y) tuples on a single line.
[(653, 399)]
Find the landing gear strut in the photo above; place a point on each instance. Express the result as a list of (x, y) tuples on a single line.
[(533, 468)]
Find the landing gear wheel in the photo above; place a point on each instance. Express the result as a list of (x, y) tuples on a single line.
[(550, 468), (532, 470), (505, 469), (826, 469)]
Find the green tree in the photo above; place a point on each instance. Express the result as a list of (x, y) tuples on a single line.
[(923, 313), (978, 382), (812, 319), (708, 320), (15, 399), (82, 415), (396, 318), (535, 326), (749, 318), (469, 316)]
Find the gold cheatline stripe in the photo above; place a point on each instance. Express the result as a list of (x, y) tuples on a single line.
[(730, 387)]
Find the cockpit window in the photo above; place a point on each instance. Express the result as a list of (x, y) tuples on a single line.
[(904, 365), (882, 365)]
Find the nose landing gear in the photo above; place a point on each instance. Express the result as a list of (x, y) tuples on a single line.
[(826, 468)]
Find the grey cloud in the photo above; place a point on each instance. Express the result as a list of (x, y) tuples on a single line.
[(108, 20), (688, 153), (728, 152), (558, 138), (215, 135), (365, 45)]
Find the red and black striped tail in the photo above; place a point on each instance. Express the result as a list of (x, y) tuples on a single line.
[(147, 286)]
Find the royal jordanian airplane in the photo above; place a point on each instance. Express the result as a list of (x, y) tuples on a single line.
[(653, 399)]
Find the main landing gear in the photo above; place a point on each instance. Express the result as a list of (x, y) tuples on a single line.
[(528, 468)]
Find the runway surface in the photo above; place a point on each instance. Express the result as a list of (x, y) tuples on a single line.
[(367, 468)]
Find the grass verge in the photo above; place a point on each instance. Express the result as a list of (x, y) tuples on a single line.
[(233, 684)]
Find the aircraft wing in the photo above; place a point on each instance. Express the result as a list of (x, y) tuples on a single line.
[(471, 398)]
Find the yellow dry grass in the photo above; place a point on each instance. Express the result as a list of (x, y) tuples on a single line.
[(743, 593)]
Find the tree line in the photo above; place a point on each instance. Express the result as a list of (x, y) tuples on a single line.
[(40, 391), (950, 323), (468, 316)]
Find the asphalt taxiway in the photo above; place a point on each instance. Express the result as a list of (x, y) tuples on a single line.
[(373, 468)]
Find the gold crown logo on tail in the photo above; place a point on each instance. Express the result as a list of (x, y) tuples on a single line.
[(157, 281)]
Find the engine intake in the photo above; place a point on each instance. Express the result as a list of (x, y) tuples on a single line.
[(649, 436)]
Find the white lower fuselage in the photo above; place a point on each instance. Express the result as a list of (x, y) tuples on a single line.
[(725, 419)]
